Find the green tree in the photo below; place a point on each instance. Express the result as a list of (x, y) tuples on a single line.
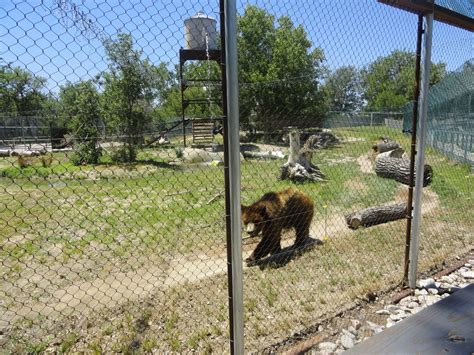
[(389, 81), (170, 106), (344, 89), (130, 87), (80, 102), (280, 72), (20, 91)]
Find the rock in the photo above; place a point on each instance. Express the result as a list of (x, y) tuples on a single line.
[(327, 347), (347, 341), (445, 285), (405, 301), (383, 311), (467, 274), (392, 308), (431, 299), (356, 324), (390, 323), (402, 314), (349, 333), (433, 291), (415, 310), (374, 327), (394, 317), (196, 155), (412, 305), (352, 330), (468, 265), (421, 292), (427, 283)]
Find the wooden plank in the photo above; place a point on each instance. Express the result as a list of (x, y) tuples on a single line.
[(446, 327)]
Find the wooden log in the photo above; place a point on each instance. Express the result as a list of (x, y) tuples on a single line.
[(376, 215), (263, 155), (394, 153), (399, 170), (321, 140), (382, 147)]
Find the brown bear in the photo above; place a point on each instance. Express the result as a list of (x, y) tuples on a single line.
[(274, 212)]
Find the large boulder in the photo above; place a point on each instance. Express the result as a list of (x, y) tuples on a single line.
[(196, 155)]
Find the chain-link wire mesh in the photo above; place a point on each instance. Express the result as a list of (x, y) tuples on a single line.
[(112, 210)]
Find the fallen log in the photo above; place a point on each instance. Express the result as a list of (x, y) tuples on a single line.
[(321, 140), (376, 215), (263, 155), (399, 170), (394, 153), (382, 147)]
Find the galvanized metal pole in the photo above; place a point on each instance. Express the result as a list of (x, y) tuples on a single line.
[(232, 172), (414, 123), (420, 160)]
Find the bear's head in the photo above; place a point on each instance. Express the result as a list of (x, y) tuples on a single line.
[(253, 218)]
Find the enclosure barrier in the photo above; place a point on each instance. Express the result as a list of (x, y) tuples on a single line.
[(115, 226)]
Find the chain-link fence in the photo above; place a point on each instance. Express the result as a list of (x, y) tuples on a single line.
[(113, 232)]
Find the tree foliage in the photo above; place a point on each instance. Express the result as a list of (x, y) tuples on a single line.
[(280, 72), (80, 102), (389, 81), (20, 91), (170, 103), (130, 87), (344, 89)]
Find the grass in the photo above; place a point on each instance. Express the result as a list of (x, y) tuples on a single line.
[(64, 225)]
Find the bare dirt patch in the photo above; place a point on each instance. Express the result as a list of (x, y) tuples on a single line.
[(429, 203), (366, 164)]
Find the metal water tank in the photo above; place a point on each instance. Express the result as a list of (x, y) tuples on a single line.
[(196, 28)]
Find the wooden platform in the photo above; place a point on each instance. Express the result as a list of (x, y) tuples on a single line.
[(202, 131), (446, 327)]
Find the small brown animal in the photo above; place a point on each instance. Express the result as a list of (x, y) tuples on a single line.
[(274, 212)]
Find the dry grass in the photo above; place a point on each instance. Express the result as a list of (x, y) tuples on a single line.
[(133, 258)]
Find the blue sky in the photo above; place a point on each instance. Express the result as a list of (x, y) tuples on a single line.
[(351, 32)]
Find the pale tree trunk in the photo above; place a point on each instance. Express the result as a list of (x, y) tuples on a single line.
[(376, 215), (299, 166), (399, 170)]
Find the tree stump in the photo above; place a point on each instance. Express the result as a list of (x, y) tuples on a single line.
[(376, 215), (399, 170), (299, 167)]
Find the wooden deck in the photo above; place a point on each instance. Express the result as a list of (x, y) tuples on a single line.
[(446, 327)]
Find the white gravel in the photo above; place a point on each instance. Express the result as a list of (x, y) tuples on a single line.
[(428, 292)]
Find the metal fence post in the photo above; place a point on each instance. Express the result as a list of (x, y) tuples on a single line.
[(420, 160), (232, 166)]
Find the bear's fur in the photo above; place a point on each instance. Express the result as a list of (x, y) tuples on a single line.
[(274, 212)]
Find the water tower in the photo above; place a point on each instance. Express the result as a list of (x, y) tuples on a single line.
[(200, 37), (200, 32)]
